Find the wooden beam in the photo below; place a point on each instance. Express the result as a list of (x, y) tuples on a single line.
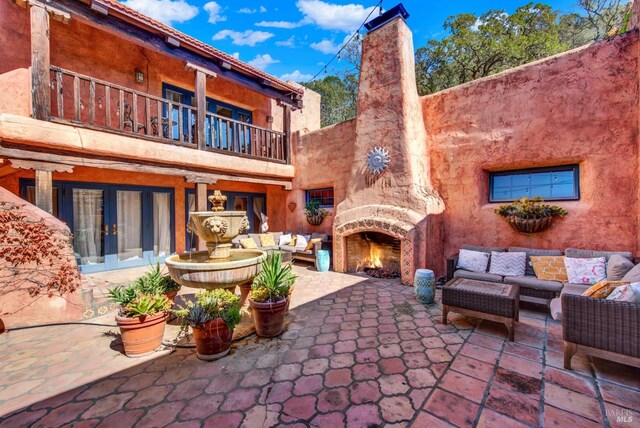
[(201, 205), (40, 166), (192, 67), (286, 128), (44, 191), (201, 106), (40, 64), (135, 167)]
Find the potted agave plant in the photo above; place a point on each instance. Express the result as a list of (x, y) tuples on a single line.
[(530, 215), (157, 282), (212, 316), (142, 318), (314, 214), (270, 294)]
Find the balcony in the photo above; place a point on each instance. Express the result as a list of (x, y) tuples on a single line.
[(96, 104)]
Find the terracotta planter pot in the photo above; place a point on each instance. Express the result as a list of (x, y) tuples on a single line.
[(142, 335), (529, 225), (269, 317), (171, 295), (213, 340)]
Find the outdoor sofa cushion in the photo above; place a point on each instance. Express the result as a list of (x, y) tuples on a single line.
[(475, 261), (248, 243), (626, 293), (533, 252), (556, 304), (533, 282), (480, 276), (508, 264), (549, 268), (586, 270), (633, 275), (589, 254), (617, 267)]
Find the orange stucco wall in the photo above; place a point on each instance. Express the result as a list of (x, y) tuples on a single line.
[(275, 194), (15, 51), (578, 107)]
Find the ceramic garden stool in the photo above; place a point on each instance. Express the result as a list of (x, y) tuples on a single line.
[(322, 261), (424, 283)]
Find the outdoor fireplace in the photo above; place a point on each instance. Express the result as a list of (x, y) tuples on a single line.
[(374, 253)]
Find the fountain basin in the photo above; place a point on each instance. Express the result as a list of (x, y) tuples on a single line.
[(199, 271), (218, 229)]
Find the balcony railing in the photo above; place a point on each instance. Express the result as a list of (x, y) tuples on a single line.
[(97, 104)]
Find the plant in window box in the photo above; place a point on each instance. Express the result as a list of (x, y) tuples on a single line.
[(530, 215), (142, 318), (270, 294), (212, 316), (315, 215)]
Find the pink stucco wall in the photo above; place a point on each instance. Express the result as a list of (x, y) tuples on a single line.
[(578, 107)]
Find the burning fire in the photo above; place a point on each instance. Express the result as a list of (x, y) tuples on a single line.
[(375, 254)]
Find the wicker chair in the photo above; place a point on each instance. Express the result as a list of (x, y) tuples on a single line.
[(600, 328)]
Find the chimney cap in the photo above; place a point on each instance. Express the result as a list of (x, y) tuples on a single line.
[(389, 15)]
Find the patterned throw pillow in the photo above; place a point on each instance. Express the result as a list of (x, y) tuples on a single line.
[(311, 243), (248, 243), (285, 240), (267, 240), (586, 271), (508, 264), (474, 261), (602, 289), (301, 241), (549, 268), (626, 293)]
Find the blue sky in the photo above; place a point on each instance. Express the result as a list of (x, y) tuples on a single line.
[(293, 39)]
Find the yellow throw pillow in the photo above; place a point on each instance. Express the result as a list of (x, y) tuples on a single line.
[(312, 242), (248, 243), (293, 240), (603, 288), (549, 268), (267, 240)]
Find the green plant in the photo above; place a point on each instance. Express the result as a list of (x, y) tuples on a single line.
[(274, 281), (312, 209), (210, 305), (533, 208), (146, 305), (123, 295), (156, 282)]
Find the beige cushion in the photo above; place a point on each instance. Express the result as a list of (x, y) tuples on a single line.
[(480, 276), (533, 282), (572, 288), (248, 243), (589, 254), (311, 243), (533, 252), (556, 309), (267, 240), (617, 267), (633, 275)]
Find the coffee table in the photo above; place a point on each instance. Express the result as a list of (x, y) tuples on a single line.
[(492, 301)]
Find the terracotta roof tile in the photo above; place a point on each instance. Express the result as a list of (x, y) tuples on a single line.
[(236, 63)]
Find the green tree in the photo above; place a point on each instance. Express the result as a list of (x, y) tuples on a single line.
[(339, 96)]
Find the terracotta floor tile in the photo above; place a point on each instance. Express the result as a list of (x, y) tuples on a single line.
[(490, 342), (518, 382), (463, 385), (425, 419), (523, 351), (554, 417), (518, 406), (573, 402), (521, 365), (452, 408), (480, 353), (566, 379), (491, 419), (620, 395), (620, 417), (472, 367)]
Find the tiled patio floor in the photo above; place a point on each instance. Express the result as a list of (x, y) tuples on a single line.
[(357, 352)]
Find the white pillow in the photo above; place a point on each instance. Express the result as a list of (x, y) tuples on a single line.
[(510, 263), (626, 293), (586, 271), (474, 261), (301, 241), (284, 239)]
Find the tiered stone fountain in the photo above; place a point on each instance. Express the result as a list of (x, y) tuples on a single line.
[(221, 266)]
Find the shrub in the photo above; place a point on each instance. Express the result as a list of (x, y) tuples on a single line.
[(210, 305), (534, 208), (273, 283)]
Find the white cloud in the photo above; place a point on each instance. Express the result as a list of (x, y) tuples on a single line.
[(263, 9), (236, 55), (280, 24), (296, 76), (261, 62), (289, 43), (245, 38), (214, 10), (326, 46), (166, 11), (247, 10), (331, 16)]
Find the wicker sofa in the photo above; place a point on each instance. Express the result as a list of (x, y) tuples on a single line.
[(296, 253), (530, 285), (601, 328)]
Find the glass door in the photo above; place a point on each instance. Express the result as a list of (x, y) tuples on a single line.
[(89, 227), (126, 247), (254, 204)]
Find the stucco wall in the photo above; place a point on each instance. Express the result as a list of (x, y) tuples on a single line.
[(578, 107), (15, 54)]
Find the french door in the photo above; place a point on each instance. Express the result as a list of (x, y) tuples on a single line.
[(115, 226)]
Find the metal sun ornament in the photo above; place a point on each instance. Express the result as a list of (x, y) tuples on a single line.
[(378, 160)]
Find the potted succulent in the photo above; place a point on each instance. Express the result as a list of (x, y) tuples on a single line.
[(157, 282), (212, 316), (315, 215), (530, 215), (270, 294), (142, 318)]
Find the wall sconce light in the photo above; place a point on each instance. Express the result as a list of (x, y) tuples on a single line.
[(269, 119), (139, 76)]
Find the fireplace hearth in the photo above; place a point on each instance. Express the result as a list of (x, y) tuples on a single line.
[(374, 253)]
